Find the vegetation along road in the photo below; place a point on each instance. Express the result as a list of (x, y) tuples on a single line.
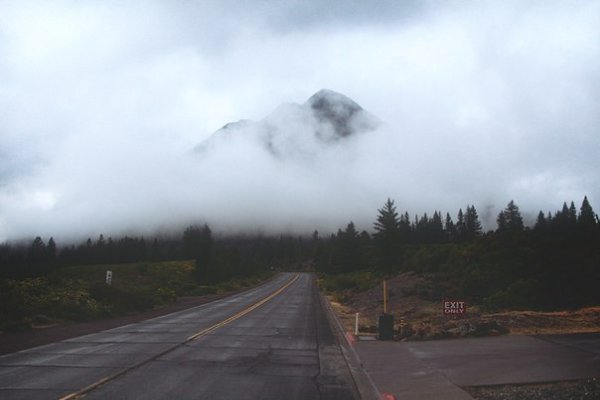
[(273, 341)]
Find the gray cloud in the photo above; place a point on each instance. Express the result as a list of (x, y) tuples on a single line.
[(101, 103)]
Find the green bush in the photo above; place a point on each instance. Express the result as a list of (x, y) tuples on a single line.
[(357, 281), (66, 299), (521, 295), (118, 301)]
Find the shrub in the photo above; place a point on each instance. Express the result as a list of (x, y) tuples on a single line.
[(522, 294), (118, 301)]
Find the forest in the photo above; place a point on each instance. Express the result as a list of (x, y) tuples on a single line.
[(554, 264)]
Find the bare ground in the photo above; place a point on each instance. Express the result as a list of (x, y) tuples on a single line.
[(587, 389), (425, 320)]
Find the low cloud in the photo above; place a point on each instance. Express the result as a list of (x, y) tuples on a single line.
[(102, 104)]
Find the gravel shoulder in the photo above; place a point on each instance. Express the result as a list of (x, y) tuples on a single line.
[(587, 389)]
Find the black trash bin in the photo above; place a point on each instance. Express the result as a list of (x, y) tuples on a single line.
[(386, 327)]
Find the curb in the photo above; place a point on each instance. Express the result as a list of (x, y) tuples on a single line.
[(363, 382)]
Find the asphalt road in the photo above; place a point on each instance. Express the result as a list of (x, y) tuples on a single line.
[(271, 342)]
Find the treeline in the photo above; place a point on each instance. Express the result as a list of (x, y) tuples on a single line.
[(553, 264), (219, 258)]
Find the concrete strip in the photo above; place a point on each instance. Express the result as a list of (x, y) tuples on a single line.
[(396, 370), (511, 359)]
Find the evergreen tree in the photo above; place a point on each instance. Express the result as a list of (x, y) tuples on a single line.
[(541, 223), (191, 242), (421, 229), (51, 251), (549, 219), (315, 235), (587, 217), (572, 215), (512, 217), (461, 230), (449, 228), (437, 228), (387, 234), (501, 222), (561, 218), (472, 224), (405, 230), (37, 251), (347, 251), (387, 224)]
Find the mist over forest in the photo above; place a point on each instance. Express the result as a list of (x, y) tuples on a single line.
[(112, 114)]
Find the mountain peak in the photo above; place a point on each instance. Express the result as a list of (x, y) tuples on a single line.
[(292, 128), (335, 108), (325, 97)]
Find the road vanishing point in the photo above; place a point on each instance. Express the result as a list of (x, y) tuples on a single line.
[(274, 341)]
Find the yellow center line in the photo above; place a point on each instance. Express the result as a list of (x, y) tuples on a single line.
[(243, 312), (195, 336)]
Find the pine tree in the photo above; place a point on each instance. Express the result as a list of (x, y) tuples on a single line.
[(387, 234), (587, 217), (387, 223), (192, 237), (405, 229), (501, 222), (541, 223), (512, 216), (37, 251), (436, 227), (572, 215), (461, 230), (472, 224), (421, 229), (347, 251), (449, 228), (51, 251), (560, 221)]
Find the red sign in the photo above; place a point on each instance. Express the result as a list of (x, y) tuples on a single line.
[(454, 307)]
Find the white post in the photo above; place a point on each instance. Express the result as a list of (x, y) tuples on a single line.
[(356, 324)]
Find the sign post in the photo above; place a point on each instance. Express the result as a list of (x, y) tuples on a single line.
[(109, 277), (386, 321)]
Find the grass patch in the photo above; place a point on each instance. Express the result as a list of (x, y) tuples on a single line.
[(79, 293)]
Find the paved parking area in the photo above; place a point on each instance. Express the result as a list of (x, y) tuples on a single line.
[(438, 369)]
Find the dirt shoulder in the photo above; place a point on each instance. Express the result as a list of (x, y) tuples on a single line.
[(424, 319), (15, 341)]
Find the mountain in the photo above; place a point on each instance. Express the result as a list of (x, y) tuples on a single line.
[(327, 117), (342, 113)]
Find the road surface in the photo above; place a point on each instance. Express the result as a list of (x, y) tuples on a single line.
[(271, 342), (440, 369)]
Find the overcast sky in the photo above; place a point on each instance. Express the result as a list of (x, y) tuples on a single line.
[(102, 101)]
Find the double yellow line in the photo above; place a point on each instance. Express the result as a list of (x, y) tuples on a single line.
[(243, 312), (195, 336)]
